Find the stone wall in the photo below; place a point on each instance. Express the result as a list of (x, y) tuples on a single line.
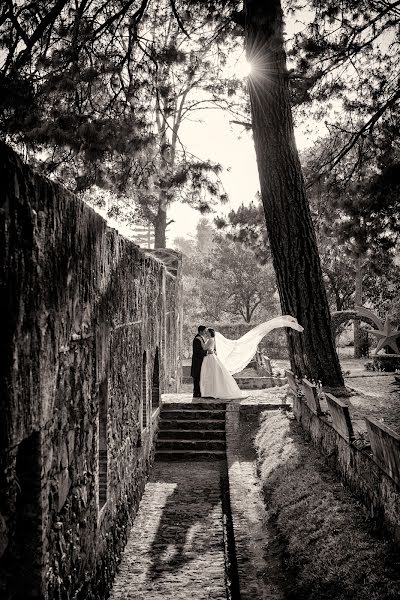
[(91, 337), (356, 466)]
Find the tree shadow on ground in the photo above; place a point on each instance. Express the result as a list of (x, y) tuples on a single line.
[(191, 522)]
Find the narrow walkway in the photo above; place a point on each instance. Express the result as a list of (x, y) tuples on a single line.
[(257, 550), (175, 547)]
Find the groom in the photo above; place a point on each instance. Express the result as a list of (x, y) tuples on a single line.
[(197, 360)]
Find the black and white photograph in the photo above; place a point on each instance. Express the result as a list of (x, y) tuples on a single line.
[(200, 299)]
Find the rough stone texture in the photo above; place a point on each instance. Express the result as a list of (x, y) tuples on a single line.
[(357, 468), (175, 547), (260, 383), (83, 305), (245, 381), (252, 400)]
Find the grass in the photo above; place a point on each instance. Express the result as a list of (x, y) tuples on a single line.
[(331, 551)]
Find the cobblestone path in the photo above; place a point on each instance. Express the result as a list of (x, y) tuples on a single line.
[(175, 547)]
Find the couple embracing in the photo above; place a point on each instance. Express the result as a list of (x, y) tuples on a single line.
[(211, 379), (216, 358)]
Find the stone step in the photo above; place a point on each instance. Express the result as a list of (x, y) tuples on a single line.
[(192, 455), (192, 415), (191, 434), (195, 405), (186, 370), (183, 444), (203, 424)]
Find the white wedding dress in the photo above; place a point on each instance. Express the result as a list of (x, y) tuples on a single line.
[(233, 356), (236, 354), (215, 380)]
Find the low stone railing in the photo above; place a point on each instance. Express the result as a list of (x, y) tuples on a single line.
[(371, 469)]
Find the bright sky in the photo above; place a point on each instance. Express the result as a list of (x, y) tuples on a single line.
[(218, 140), (215, 138)]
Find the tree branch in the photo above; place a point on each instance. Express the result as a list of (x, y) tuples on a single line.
[(135, 17), (178, 19), (46, 22), (366, 127)]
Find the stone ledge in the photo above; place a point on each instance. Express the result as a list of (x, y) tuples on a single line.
[(356, 467)]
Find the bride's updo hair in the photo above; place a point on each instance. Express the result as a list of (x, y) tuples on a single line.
[(211, 332)]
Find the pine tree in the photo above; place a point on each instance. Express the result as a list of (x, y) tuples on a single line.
[(345, 63), (287, 213)]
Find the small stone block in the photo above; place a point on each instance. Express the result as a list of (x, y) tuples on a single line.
[(311, 396), (340, 417), (385, 445), (291, 381)]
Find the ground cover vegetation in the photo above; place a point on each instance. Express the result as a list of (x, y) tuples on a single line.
[(330, 549)]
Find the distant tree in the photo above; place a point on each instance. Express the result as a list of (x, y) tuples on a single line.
[(223, 280), (186, 75), (234, 283), (205, 234), (247, 225), (382, 291), (194, 255), (338, 275)]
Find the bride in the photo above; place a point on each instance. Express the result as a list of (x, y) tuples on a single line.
[(215, 379), (226, 357)]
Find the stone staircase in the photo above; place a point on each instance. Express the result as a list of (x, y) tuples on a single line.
[(191, 431)]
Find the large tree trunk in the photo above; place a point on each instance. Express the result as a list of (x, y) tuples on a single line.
[(287, 212), (358, 302), (160, 226)]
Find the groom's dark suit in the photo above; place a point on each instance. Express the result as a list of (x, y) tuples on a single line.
[(197, 360)]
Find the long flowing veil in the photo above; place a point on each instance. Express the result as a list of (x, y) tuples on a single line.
[(236, 354)]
